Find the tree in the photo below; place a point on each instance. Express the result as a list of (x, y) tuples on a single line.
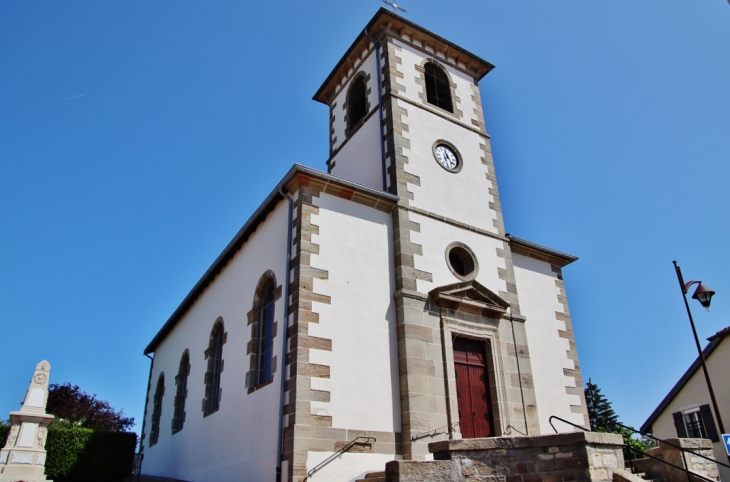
[(79, 408), (600, 413), (604, 419)]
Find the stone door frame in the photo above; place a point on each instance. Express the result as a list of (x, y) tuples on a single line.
[(489, 335)]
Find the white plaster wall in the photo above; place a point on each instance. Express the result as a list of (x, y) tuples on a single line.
[(435, 236), (355, 247), (368, 66), (360, 159), (238, 442), (410, 57), (695, 393), (464, 195), (538, 297), (348, 467)]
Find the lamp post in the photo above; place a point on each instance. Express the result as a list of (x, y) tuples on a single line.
[(703, 294)]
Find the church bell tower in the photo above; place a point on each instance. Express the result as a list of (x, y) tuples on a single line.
[(406, 117)]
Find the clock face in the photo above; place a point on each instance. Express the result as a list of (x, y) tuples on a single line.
[(446, 157)]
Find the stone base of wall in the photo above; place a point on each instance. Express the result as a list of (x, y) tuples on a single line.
[(568, 457), (657, 470)]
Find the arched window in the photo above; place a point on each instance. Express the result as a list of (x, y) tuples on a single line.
[(438, 87), (214, 354), (263, 332), (181, 394), (357, 102), (265, 349), (157, 410)]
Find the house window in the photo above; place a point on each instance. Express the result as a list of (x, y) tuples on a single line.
[(693, 424), (357, 102), (438, 87), (181, 394), (157, 410), (214, 355), (263, 331), (696, 423)]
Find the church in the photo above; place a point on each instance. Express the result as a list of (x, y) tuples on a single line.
[(363, 312)]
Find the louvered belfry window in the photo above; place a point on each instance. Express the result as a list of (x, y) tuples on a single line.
[(438, 87), (357, 103)]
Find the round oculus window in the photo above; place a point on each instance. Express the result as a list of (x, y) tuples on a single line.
[(461, 261), (447, 156)]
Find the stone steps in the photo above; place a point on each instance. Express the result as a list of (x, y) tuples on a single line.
[(643, 475), (373, 477)]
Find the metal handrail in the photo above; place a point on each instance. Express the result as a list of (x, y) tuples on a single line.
[(432, 433), (671, 444), (342, 451), (689, 473)]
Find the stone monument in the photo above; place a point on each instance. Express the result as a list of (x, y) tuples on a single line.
[(24, 456)]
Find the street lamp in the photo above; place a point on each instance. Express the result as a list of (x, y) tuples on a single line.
[(703, 294)]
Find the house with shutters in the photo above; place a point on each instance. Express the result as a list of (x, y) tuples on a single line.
[(376, 305), (687, 412)]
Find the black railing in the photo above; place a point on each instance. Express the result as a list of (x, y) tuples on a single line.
[(635, 450), (683, 449), (342, 451), (432, 433)]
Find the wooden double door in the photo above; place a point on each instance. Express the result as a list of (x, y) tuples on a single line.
[(472, 388)]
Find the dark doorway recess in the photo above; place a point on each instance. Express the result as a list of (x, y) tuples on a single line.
[(472, 388)]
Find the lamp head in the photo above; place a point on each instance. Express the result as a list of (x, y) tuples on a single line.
[(703, 294)]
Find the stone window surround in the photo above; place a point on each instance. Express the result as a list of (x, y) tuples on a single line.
[(475, 271), (180, 396), (421, 80), (208, 378), (344, 80), (488, 334), (254, 321), (157, 409), (350, 129)]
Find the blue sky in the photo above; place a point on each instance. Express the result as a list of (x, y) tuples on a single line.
[(137, 137)]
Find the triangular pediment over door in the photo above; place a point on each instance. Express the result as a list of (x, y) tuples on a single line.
[(470, 297)]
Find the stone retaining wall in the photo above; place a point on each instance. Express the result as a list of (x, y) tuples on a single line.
[(569, 457), (655, 469)]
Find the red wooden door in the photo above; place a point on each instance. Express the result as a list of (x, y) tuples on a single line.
[(472, 389)]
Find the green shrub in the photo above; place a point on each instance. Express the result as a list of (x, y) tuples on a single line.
[(4, 430), (78, 454)]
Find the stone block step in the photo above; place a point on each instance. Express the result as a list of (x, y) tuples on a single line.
[(373, 477)]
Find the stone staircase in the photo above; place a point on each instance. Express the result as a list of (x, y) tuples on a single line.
[(643, 475), (373, 477)]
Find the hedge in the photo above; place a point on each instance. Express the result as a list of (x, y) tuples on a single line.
[(81, 454)]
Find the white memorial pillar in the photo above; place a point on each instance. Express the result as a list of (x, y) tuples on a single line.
[(24, 455)]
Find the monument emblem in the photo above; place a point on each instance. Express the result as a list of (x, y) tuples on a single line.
[(24, 455)]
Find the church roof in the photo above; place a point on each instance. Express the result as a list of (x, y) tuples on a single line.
[(387, 21), (714, 340), (534, 250), (297, 175)]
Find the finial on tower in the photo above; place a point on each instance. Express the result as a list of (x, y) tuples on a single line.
[(395, 6)]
